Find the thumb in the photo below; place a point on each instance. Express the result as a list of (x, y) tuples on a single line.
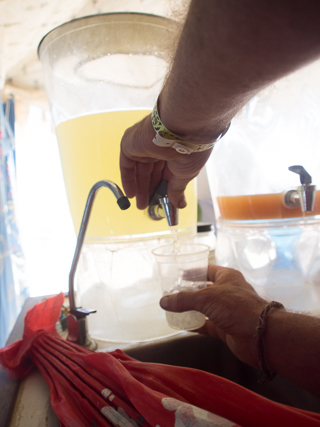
[(183, 301)]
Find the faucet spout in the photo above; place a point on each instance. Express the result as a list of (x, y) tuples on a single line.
[(307, 197), (304, 195), (77, 319), (170, 211), (123, 203)]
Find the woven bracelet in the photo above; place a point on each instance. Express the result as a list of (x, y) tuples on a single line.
[(165, 138), (266, 375)]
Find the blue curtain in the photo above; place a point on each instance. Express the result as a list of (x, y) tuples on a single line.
[(12, 290)]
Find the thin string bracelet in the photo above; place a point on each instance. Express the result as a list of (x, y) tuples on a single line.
[(266, 375)]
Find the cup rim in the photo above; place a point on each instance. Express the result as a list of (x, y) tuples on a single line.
[(205, 248)]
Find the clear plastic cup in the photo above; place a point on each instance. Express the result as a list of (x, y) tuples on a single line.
[(184, 269)]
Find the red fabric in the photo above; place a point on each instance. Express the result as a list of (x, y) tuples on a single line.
[(108, 389)]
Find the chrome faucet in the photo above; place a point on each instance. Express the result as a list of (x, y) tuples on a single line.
[(304, 195), (77, 326), (161, 207)]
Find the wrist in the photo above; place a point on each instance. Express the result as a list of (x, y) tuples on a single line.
[(168, 139), (262, 326), (189, 125)]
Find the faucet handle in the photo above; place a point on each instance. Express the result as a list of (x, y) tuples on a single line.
[(305, 178)]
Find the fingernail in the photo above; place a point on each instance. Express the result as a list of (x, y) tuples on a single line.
[(182, 204), (164, 302)]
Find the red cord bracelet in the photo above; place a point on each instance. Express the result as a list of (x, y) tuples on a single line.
[(266, 375)]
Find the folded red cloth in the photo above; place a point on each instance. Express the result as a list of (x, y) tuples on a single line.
[(112, 389)]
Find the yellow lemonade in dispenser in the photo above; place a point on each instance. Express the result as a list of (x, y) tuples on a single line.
[(89, 149)]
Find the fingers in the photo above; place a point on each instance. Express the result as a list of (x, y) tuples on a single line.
[(143, 179), (141, 172), (214, 271), (156, 176), (184, 169), (223, 275), (194, 300), (135, 166), (176, 188), (229, 288), (127, 169), (141, 165)]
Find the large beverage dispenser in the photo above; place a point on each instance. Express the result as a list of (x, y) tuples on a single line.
[(103, 74), (264, 177)]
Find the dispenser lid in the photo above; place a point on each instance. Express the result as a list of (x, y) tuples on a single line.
[(94, 20)]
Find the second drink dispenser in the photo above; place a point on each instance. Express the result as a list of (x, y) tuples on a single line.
[(264, 178)]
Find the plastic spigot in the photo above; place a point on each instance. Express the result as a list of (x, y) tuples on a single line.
[(306, 191), (161, 207)]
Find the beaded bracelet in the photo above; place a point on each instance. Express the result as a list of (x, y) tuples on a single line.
[(266, 375)]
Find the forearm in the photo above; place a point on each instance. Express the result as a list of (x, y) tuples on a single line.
[(292, 348), (230, 50)]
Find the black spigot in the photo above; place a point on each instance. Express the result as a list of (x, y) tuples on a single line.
[(305, 178)]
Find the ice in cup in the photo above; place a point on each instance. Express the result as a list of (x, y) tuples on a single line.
[(184, 269)]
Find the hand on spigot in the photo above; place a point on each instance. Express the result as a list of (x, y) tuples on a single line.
[(144, 165), (227, 53)]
